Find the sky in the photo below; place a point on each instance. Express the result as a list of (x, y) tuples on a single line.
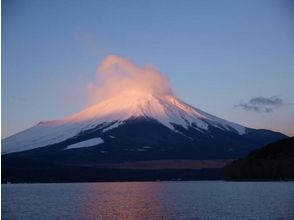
[(233, 59)]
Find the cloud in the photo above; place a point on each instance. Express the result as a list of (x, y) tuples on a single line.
[(262, 104), (116, 75)]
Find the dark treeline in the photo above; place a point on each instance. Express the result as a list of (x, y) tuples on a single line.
[(273, 162)]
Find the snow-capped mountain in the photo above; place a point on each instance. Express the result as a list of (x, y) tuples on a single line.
[(109, 114), (100, 125), (137, 126)]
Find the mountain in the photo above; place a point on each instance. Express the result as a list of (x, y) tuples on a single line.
[(132, 127), (114, 112), (274, 161)]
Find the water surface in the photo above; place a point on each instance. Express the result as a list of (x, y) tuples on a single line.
[(149, 200)]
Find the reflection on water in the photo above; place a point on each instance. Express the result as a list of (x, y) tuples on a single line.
[(149, 200), (124, 201)]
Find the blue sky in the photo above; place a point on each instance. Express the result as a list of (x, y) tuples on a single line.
[(217, 54)]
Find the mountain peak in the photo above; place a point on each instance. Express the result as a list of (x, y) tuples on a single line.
[(166, 109), (115, 111)]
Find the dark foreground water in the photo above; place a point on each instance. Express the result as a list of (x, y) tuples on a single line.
[(149, 200)]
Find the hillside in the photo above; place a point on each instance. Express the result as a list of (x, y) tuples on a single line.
[(273, 162)]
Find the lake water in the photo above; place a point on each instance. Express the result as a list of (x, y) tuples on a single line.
[(149, 200)]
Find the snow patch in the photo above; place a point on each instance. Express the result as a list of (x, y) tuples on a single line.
[(146, 147), (115, 125), (88, 143), (140, 149)]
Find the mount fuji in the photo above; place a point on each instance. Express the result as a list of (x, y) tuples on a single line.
[(141, 125), (137, 126)]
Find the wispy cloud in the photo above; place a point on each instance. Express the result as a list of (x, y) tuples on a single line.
[(262, 104)]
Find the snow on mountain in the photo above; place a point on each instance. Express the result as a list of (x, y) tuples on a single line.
[(112, 113), (87, 143)]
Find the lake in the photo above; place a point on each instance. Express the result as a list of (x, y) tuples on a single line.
[(149, 200)]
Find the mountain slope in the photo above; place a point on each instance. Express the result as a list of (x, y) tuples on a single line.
[(274, 161)]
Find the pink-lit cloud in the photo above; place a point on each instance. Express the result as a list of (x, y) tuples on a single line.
[(116, 75)]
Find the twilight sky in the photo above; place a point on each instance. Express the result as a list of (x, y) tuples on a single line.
[(233, 59)]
